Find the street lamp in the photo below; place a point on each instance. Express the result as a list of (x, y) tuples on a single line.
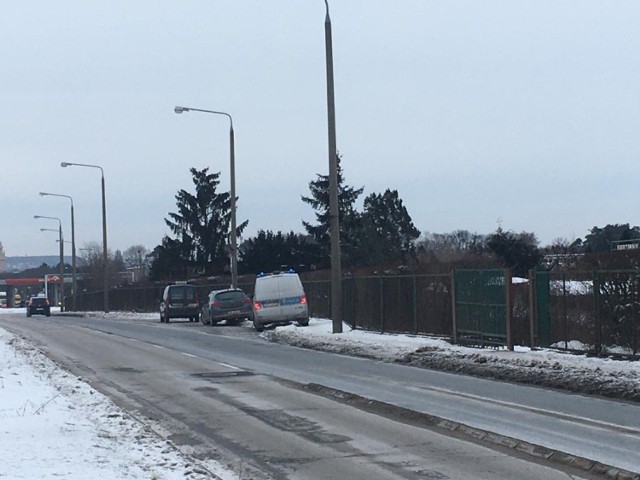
[(61, 255), (73, 245), (105, 258), (336, 269), (234, 249)]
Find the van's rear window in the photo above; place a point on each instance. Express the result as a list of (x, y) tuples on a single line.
[(183, 293)]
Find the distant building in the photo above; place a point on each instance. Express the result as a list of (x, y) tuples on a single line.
[(3, 259)]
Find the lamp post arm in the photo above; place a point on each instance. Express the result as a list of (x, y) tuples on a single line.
[(68, 164), (189, 109)]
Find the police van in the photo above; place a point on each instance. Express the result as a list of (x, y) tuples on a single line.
[(279, 299)]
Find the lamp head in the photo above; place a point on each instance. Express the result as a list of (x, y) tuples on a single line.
[(180, 110), (36, 216), (64, 164), (42, 194)]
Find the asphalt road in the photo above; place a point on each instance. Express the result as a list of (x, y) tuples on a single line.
[(227, 394)]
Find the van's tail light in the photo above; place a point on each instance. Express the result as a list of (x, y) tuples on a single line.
[(257, 305), (303, 299)]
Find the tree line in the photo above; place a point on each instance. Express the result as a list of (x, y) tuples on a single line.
[(381, 234)]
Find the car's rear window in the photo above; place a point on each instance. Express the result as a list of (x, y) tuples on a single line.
[(38, 301), (230, 296)]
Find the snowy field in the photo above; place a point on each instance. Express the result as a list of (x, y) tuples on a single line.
[(54, 425)]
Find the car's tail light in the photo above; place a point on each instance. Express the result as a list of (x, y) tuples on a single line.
[(46, 301), (246, 300), (257, 305), (215, 304), (303, 299)]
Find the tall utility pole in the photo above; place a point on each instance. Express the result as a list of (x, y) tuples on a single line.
[(105, 250), (336, 268)]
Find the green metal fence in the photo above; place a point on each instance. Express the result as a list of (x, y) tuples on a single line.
[(597, 311), (481, 307)]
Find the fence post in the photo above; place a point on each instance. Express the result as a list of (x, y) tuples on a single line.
[(507, 301), (381, 304), (596, 301), (634, 314), (415, 306), (565, 326), (533, 314), (452, 289)]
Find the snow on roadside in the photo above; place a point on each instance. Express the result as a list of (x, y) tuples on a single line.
[(54, 425), (545, 367)]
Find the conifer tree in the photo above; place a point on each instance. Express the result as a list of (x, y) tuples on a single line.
[(348, 217), (202, 223)]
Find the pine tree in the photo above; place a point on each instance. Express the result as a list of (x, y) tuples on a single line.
[(167, 262), (387, 231), (203, 222), (519, 252), (348, 217)]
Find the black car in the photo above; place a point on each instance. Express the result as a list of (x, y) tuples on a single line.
[(231, 305), (180, 300), (38, 306)]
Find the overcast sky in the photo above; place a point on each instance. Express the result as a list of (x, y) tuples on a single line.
[(524, 114)]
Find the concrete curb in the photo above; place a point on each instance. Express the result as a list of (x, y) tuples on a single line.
[(447, 426)]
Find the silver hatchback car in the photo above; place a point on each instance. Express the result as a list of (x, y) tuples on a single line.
[(231, 305)]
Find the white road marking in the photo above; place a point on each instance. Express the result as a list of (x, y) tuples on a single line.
[(562, 416), (229, 366)]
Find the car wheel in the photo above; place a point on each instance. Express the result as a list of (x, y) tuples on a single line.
[(28, 314), (258, 326), (48, 314), (303, 322)]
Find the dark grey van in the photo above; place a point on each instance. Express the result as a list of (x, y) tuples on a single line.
[(180, 300)]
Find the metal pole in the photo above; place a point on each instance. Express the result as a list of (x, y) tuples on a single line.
[(61, 269), (105, 259), (234, 249), (508, 308), (533, 314), (73, 260), (336, 269)]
